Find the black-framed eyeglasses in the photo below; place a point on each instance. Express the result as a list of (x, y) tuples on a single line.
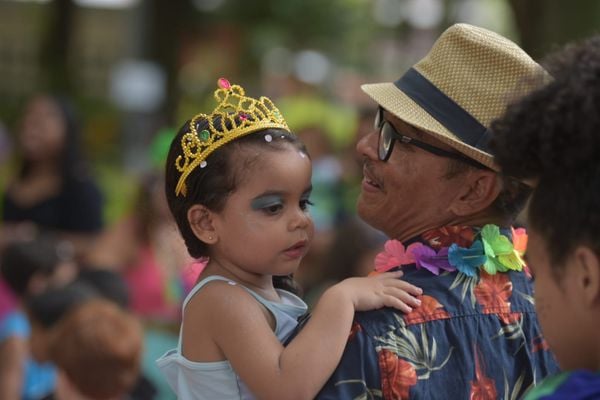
[(388, 135)]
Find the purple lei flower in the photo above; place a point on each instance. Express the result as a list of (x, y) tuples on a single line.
[(426, 257)]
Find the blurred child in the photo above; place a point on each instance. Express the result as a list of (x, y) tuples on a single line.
[(146, 249), (46, 309), (28, 267), (238, 183), (97, 349), (552, 139)]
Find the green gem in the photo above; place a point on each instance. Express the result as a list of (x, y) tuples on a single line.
[(204, 135)]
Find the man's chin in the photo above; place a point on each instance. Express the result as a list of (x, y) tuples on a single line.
[(366, 211)]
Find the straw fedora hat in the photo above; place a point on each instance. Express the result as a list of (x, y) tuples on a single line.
[(465, 82)]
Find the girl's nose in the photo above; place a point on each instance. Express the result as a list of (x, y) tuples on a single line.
[(300, 220)]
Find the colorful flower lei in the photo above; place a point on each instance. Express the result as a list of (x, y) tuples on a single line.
[(490, 250)]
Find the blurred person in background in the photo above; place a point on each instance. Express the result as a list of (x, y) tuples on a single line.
[(95, 367), (28, 267), (145, 248), (96, 347), (431, 185), (551, 138), (52, 189), (45, 309)]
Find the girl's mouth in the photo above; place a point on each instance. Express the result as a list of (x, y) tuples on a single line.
[(297, 250)]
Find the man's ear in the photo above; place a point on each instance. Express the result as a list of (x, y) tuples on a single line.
[(479, 190), (587, 274), (200, 219)]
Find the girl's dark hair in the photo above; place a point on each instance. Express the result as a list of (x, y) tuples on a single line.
[(73, 166), (552, 136), (212, 185)]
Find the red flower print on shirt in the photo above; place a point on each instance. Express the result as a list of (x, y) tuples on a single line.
[(482, 387), (429, 310), (443, 237), (354, 330), (538, 343), (492, 293), (397, 375)]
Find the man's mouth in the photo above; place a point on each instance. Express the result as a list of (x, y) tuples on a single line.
[(370, 180)]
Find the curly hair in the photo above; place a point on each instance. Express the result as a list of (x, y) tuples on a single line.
[(552, 136)]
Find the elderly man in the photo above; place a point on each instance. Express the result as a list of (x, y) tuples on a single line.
[(431, 185)]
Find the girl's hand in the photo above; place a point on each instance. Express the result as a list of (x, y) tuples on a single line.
[(383, 290)]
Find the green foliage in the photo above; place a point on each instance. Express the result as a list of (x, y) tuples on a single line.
[(339, 122), (118, 189), (332, 26)]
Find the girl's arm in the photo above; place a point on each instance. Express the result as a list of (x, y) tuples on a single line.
[(239, 328)]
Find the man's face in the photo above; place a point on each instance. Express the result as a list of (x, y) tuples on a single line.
[(409, 193)]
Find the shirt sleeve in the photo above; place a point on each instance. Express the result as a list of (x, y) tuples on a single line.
[(357, 375)]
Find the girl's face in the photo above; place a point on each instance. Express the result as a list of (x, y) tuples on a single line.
[(265, 227), (43, 128), (564, 321)]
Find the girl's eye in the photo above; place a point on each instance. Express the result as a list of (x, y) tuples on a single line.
[(273, 209), (304, 204)]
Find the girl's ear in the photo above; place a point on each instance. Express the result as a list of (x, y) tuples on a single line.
[(200, 219)]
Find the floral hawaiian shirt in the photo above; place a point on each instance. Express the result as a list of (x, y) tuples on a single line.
[(475, 336)]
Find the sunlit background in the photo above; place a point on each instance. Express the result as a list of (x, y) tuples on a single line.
[(138, 66)]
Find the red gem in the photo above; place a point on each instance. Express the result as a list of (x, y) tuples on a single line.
[(243, 117), (224, 83)]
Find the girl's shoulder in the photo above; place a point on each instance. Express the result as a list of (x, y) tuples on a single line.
[(218, 289), (222, 311), (218, 296)]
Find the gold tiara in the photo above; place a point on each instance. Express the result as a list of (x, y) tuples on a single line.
[(238, 115)]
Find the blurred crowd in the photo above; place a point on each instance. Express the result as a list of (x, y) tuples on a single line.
[(86, 304)]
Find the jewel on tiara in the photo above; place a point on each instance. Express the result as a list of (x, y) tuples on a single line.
[(237, 114)]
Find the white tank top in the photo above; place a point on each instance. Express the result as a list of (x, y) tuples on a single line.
[(217, 380)]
